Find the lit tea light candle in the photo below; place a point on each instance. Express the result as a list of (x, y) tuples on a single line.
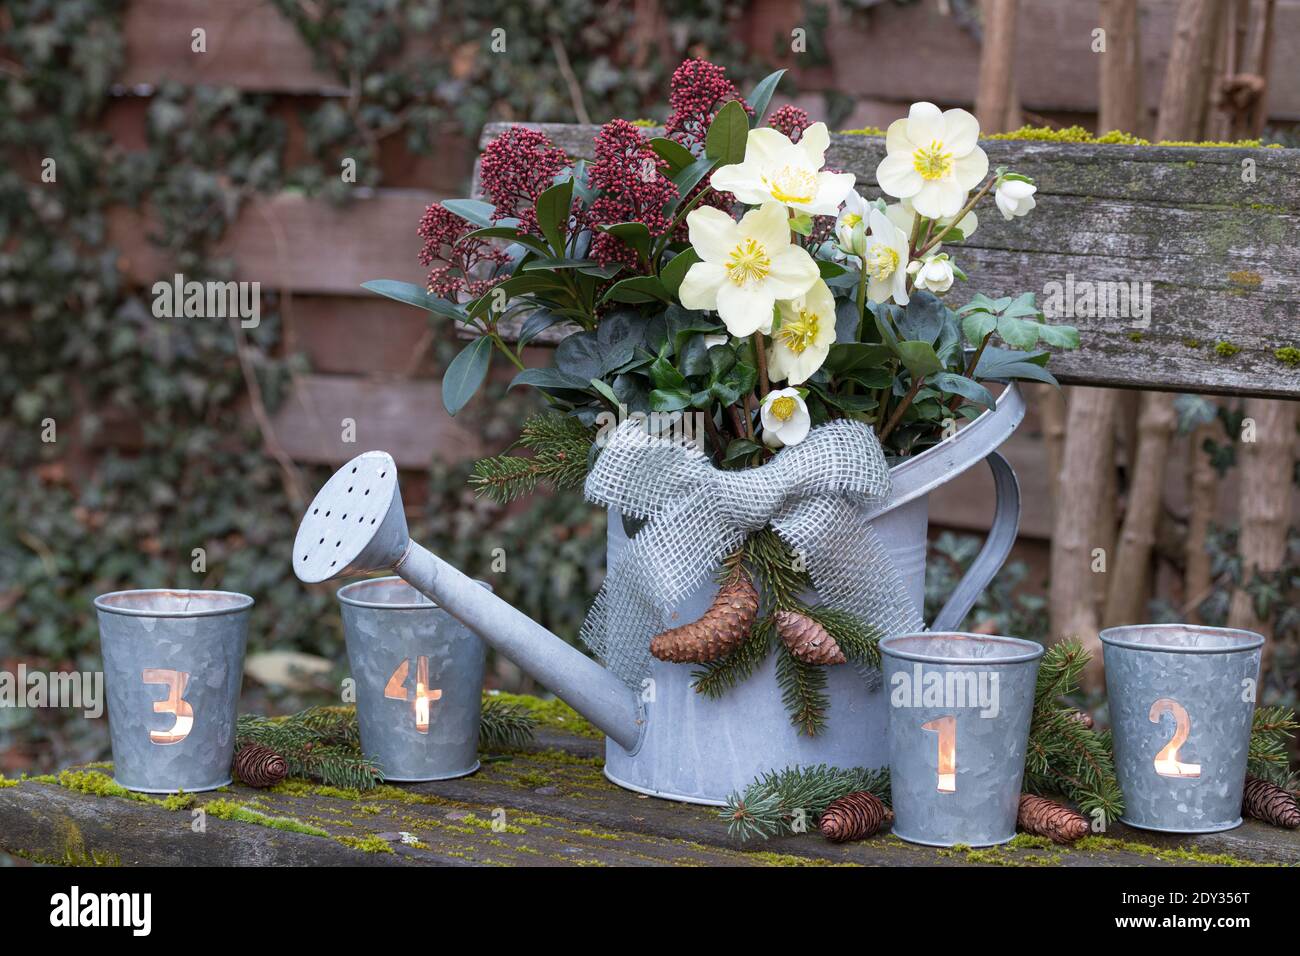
[(946, 728), (1166, 762)]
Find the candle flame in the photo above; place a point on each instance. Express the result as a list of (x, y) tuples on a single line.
[(946, 728), (1166, 762)]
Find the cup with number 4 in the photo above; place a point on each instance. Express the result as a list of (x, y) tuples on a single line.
[(1181, 699), (419, 681), (173, 665)]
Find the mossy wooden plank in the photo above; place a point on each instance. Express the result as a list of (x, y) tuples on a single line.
[(549, 806), (1210, 231)]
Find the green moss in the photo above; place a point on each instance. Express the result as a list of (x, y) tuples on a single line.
[(1135, 336), (1192, 343), (554, 714), (768, 858), (1288, 354), (864, 131), (370, 844), (1182, 854), (482, 824), (1077, 134), (230, 810), (645, 123), (8, 783), (1226, 349), (1246, 278), (97, 784)]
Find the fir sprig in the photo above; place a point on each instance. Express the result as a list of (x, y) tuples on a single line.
[(1064, 756), (782, 801), (559, 446), (779, 572), (1271, 729), (803, 691), (721, 675), (505, 726)]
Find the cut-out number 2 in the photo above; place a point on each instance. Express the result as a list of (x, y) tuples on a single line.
[(1167, 763), (946, 728), (395, 689), (175, 704)]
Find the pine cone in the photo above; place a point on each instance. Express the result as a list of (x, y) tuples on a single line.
[(1043, 817), (260, 766), (807, 639), (718, 632), (1270, 803), (854, 816)]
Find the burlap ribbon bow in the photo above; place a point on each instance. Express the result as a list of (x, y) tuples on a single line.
[(817, 495)]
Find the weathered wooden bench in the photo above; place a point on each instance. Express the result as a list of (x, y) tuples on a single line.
[(1212, 230), (547, 806)]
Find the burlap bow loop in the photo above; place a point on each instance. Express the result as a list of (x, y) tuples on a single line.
[(817, 495)]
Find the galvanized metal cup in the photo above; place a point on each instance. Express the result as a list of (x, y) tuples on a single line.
[(419, 675), (959, 713), (1181, 699), (173, 665)]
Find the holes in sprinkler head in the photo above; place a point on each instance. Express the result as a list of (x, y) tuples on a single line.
[(354, 469), (349, 489), (344, 518), (367, 491), (315, 511), (337, 543)]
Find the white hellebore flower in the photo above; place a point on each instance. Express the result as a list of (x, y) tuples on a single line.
[(1015, 197), (777, 170), (804, 338), (934, 273), (785, 418), (903, 215), (885, 260), (933, 158), (745, 267), (853, 215)]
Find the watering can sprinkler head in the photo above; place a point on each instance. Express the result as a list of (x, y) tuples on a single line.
[(356, 525)]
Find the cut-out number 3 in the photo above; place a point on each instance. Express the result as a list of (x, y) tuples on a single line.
[(175, 704)]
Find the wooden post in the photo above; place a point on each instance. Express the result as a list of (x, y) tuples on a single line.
[(1266, 471), (1121, 105), (996, 104), (1183, 96), (1202, 494)]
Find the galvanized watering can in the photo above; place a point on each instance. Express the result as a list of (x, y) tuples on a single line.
[(665, 739)]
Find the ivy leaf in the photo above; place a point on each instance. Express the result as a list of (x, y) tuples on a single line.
[(674, 270), (1004, 365), (669, 400), (761, 96), (923, 318), (412, 294), (665, 375), (725, 141), (553, 208), (465, 374)]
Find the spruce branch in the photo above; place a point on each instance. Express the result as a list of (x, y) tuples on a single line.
[(721, 675), (803, 691), (1270, 757), (559, 446), (779, 572), (787, 801), (504, 726)]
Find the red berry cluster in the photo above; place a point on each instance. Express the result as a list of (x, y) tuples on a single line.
[(462, 264), (630, 178), (697, 91), (517, 167), (789, 121)]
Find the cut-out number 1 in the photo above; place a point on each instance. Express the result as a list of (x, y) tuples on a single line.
[(1167, 763), (175, 682), (946, 728), (395, 689)]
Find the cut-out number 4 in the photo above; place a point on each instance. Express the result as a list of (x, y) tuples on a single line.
[(395, 689)]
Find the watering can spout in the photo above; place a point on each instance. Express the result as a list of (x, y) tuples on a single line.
[(356, 524)]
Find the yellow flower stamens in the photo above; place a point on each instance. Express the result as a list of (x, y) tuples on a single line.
[(748, 262), (792, 185), (933, 161), (783, 408), (851, 219), (799, 333), (882, 262)]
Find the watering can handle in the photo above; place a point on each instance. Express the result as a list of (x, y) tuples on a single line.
[(1002, 535)]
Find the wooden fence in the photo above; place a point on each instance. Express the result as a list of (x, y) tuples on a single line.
[(366, 352)]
